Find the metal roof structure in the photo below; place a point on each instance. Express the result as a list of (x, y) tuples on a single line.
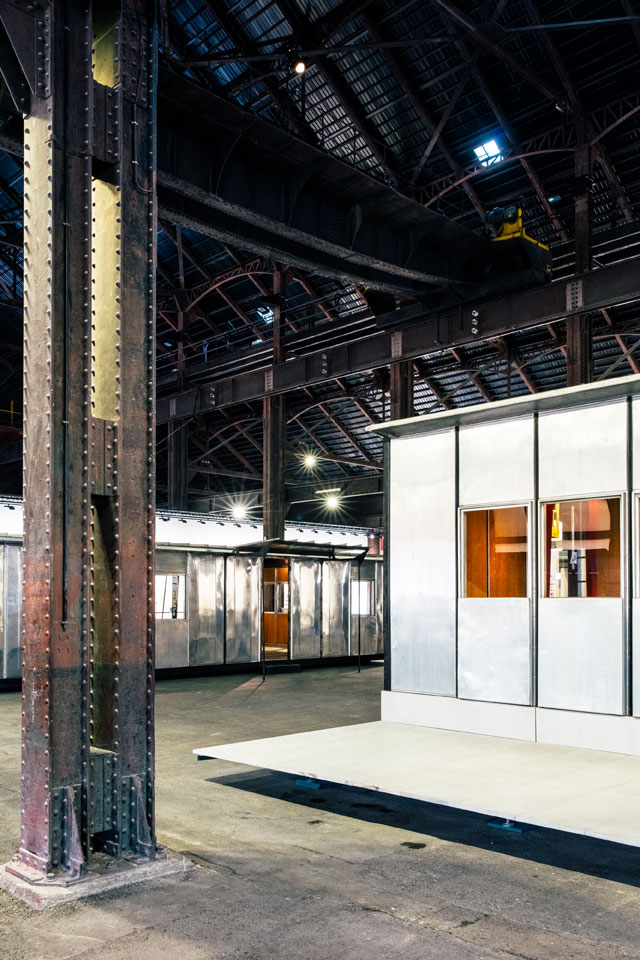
[(403, 91)]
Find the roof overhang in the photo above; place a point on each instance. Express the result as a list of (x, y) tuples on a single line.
[(581, 395)]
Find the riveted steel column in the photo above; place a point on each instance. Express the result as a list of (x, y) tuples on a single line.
[(177, 451), (55, 830), (87, 743), (401, 390), (274, 435), (123, 408)]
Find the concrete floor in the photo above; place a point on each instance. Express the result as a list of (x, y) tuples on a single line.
[(337, 874)]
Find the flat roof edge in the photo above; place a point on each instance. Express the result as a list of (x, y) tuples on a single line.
[(580, 395)]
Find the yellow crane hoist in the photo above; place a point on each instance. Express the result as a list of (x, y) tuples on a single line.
[(520, 259)]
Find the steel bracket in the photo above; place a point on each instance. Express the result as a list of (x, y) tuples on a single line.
[(574, 294), (106, 113), (103, 472)]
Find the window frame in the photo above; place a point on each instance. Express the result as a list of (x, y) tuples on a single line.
[(371, 596), (542, 532), (462, 546), (176, 619)]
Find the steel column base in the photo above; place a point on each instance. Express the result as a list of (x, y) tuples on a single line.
[(106, 874)]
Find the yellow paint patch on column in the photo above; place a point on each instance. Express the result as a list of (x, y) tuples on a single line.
[(105, 348)]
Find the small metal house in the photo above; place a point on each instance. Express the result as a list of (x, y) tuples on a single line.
[(513, 597)]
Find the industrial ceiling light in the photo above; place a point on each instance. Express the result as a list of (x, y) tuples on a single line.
[(300, 66), (239, 511), (332, 501), (265, 313), (310, 460)]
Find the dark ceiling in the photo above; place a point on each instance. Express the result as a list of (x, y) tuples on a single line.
[(404, 90)]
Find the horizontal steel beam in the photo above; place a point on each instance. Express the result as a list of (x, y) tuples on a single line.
[(415, 332), (231, 174), (300, 492), (358, 487)]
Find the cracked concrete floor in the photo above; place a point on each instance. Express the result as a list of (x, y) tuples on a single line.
[(335, 874)]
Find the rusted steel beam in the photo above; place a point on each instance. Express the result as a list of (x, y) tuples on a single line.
[(513, 359), (579, 328), (362, 406), (474, 377), (413, 332), (508, 129), (56, 582), (274, 435), (401, 390), (177, 464), (434, 129), (484, 38), (345, 97), (212, 279), (428, 380), (631, 360), (87, 741), (288, 110), (341, 428)]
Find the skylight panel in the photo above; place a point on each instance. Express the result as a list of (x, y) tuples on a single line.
[(488, 153)]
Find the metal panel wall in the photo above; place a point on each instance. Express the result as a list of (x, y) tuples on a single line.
[(335, 607), (367, 625), (305, 608), (580, 654), (12, 610), (244, 609), (583, 451), (3, 628), (581, 641), (422, 564), (206, 608), (494, 649), (635, 547), (635, 678), (368, 635), (172, 643), (496, 462), (496, 467), (635, 441), (171, 561)]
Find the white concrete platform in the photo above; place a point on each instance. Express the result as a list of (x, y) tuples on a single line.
[(588, 792)]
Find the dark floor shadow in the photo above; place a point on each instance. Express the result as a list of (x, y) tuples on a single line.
[(555, 848)]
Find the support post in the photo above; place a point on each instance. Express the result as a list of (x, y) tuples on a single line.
[(401, 390), (89, 278), (579, 332), (274, 434), (178, 450)]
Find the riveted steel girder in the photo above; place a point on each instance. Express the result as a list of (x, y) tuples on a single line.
[(233, 175), (416, 331)]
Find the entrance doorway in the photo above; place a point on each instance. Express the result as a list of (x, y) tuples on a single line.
[(275, 619)]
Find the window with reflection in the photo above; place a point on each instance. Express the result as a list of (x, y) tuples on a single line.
[(582, 548), (171, 593), (362, 598), (495, 552)]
